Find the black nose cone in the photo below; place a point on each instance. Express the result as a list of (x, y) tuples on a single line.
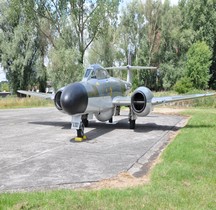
[(74, 99)]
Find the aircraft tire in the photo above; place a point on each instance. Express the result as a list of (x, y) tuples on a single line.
[(80, 132), (132, 124), (85, 122)]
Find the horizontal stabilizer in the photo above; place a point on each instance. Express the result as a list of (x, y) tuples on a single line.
[(128, 67)]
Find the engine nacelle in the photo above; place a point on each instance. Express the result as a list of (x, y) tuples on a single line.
[(57, 101), (105, 115), (141, 101)]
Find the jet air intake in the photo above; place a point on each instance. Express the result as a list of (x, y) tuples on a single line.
[(74, 99), (57, 100), (141, 101)]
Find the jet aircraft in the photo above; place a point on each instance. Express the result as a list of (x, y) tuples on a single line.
[(100, 95)]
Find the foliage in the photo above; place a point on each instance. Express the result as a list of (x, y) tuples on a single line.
[(170, 74), (154, 33), (4, 86), (185, 178), (64, 66), (183, 85), (200, 16), (19, 44), (197, 65)]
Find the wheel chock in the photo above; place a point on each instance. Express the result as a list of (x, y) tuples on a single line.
[(80, 138)]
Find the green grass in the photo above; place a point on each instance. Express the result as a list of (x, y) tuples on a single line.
[(185, 179), (28, 102)]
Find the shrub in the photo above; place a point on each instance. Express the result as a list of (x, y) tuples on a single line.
[(183, 85)]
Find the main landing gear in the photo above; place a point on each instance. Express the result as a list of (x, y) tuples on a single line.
[(132, 119)]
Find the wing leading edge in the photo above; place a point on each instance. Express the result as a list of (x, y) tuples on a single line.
[(168, 99), (126, 101), (41, 95)]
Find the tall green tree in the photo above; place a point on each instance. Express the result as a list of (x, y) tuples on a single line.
[(64, 67), (200, 16), (18, 45), (23, 47), (198, 64), (150, 40)]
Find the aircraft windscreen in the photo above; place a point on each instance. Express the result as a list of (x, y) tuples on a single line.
[(102, 74), (88, 71)]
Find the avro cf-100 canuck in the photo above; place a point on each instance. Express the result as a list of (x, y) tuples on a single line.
[(100, 95)]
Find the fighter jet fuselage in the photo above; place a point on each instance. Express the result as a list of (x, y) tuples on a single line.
[(94, 94)]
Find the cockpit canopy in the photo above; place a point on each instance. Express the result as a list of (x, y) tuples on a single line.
[(96, 72)]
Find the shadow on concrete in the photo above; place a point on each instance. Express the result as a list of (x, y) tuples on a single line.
[(100, 128), (63, 125)]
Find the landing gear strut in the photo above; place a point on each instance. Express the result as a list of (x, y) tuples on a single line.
[(132, 119), (85, 120), (78, 123), (80, 133), (132, 123)]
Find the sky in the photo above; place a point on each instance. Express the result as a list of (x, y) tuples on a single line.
[(2, 74)]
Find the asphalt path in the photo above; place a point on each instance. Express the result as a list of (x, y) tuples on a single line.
[(38, 151)]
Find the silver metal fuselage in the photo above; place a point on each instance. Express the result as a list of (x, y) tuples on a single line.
[(101, 93)]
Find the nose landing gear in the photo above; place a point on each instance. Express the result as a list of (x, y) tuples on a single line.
[(80, 133), (78, 123)]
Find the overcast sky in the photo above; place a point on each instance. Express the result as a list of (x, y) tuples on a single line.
[(2, 74)]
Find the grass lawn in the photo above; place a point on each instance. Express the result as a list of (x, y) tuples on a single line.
[(28, 102), (184, 179)]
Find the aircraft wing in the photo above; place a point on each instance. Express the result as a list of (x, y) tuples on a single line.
[(167, 99), (37, 94), (126, 101), (122, 101)]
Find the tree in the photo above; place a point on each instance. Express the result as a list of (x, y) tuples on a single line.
[(200, 16), (150, 40), (4, 86), (22, 51), (64, 67), (198, 63), (72, 26)]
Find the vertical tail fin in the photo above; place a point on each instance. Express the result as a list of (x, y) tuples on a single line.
[(129, 75)]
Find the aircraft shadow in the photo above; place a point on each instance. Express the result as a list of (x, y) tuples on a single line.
[(100, 129), (63, 125)]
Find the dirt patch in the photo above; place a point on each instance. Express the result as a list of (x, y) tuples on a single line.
[(168, 110), (123, 180)]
